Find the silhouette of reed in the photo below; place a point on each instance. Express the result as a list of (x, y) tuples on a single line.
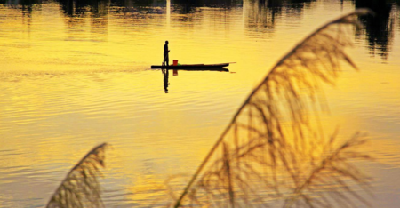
[(274, 152), (81, 187)]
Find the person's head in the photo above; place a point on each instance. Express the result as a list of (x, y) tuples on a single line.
[(166, 42)]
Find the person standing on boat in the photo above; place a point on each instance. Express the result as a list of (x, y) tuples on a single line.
[(166, 51)]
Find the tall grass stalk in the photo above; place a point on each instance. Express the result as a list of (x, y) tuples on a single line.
[(81, 187), (274, 150)]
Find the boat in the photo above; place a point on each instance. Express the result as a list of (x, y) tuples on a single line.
[(192, 66), (205, 69)]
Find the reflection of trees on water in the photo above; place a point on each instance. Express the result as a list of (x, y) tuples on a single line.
[(258, 14), (144, 6), (83, 7), (380, 27), (75, 11), (24, 4), (263, 14), (26, 7), (178, 6), (137, 10), (187, 6)]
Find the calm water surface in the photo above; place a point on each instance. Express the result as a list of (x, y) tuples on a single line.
[(74, 75)]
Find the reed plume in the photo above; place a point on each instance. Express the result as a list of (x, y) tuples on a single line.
[(274, 152), (81, 187)]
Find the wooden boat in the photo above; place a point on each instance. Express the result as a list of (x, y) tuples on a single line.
[(192, 66), (205, 69)]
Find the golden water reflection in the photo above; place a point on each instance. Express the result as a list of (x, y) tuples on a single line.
[(73, 77)]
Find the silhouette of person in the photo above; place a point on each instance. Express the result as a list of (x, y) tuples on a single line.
[(166, 55)]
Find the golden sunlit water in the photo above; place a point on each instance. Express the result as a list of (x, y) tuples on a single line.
[(75, 74)]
